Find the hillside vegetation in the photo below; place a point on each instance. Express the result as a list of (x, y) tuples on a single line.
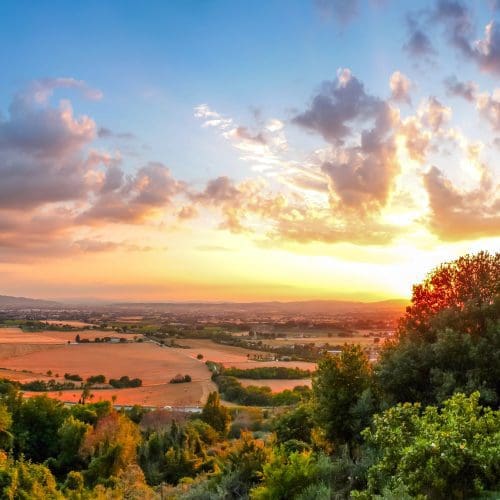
[(423, 422)]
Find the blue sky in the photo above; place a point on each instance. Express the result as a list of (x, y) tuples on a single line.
[(259, 165), (154, 61)]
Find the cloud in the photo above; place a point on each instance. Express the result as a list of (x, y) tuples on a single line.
[(242, 133), (25, 235), (486, 52), (262, 146), (135, 198), (187, 212), (452, 14), (466, 90), (417, 140), (249, 207), (311, 226), (489, 108), (434, 114), (42, 157), (400, 87), (212, 118), (91, 245), (418, 44), (344, 11), (462, 214), (457, 19), (336, 107), (362, 177), (218, 191), (360, 174), (34, 127), (106, 133), (39, 91)]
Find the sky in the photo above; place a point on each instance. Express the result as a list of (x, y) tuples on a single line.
[(230, 150)]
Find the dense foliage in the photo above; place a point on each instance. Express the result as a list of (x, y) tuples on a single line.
[(232, 390), (449, 339), (268, 372), (124, 382), (452, 452), (421, 423)]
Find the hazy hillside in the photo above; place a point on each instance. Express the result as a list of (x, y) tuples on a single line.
[(297, 307), (7, 302)]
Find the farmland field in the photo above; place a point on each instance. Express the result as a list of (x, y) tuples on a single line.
[(15, 335), (71, 322), (27, 356), (334, 340)]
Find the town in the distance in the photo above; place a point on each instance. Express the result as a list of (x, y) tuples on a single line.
[(57, 348)]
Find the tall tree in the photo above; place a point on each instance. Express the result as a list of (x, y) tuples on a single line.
[(340, 386), (215, 414), (449, 338), (462, 294)]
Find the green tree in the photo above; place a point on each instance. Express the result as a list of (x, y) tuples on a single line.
[(70, 434), (25, 480), (215, 414), (74, 483), (463, 295), (340, 386), (296, 423), (453, 452), (175, 454), (5, 427), (449, 339), (295, 476), (35, 427)]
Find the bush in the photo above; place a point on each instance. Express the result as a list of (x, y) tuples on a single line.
[(268, 372), (232, 390), (75, 377), (96, 379), (180, 379), (124, 382), (43, 386), (451, 452)]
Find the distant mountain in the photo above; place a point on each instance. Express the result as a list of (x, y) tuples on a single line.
[(327, 307), (7, 302)]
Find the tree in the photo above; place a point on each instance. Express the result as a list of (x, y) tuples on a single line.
[(339, 386), (35, 427), (175, 454), (453, 452), (449, 339), (111, 446), (74, 482), (22, 480), (70, 435), (5, 427), (298, 475), (215, 414), (295, 424), (463, 295)]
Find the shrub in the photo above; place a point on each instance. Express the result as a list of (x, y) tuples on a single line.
[(96, 379), (268, 372), (450, 452), (180, 379), (124, 382)]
